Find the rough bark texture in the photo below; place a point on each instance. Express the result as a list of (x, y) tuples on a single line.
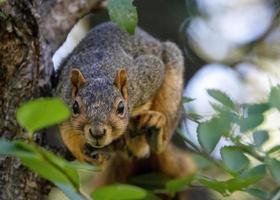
[(30, 32)]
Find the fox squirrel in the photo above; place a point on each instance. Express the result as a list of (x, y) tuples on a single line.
[(125, 93)]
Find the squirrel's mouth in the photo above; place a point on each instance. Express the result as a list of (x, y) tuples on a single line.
[(96, 144), (95, 153)]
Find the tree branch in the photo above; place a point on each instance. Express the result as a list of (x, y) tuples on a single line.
[(30, 32), (58, 17)]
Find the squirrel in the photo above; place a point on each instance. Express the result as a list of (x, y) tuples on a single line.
[(118, 83)]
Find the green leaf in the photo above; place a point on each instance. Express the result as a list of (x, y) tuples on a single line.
[(177, 185), (234, 159), (275, 168), (151, 196), (70, 192), (2, 14), (210, 132), (194, 116), (218, 186), (187, 99), (201, 162), (218, 108), (84, 166), (258, 172), (222, 98), (119, 192), (274, 149), (256, 192), (250, 122), (41, 113), (150, 181), (274, 97), (253, 109), (41, 161), (253, 116), (124, 14), (247, 178), (260, 137), (2, 1)]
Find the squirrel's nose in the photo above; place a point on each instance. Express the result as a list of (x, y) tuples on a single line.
[(97, 134)]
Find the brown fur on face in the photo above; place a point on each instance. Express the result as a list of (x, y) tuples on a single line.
[(114, 125), (91, 128)]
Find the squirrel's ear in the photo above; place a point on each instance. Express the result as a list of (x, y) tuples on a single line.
[(77, 80), (121, 83)]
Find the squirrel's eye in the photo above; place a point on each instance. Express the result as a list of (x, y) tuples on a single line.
[(76, 109), (120, 109)]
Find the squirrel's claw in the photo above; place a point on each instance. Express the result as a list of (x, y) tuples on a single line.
[(146, 133)]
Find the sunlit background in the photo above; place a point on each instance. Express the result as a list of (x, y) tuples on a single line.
[(230, 45), (239, 42)]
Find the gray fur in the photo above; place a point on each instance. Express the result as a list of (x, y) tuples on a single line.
[(99, 55)]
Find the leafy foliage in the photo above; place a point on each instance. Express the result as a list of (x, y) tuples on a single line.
[(41, 113), (275, 168), (274, 97), (179, 184), (124, 14), (260, 137), (235, 161), (235, 122), (119, 192), (33, 116), (210, 132), (222, 98)]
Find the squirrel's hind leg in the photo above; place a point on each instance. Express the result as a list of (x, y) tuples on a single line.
[(168, 98), (165, 105)]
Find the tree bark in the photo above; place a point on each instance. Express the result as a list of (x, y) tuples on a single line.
[(30, 32)]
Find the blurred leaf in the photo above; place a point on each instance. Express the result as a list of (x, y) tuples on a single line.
[(222, 98), (275, 168), (253, 109), (150, 180), (234, 159), (250, 122), (177, 185), (274, 97), (44, 163), (119, 192), (210, 132), (201, 162), (2, 14), (151, 196), (258, 172), (194, 116), (187, 99), (253, 116), (274, 149), (218, 186), (124, 14), (260, 137), (41, 113), (70, 192), (84, 166), (218, 107), (256, 192), (247, 178)]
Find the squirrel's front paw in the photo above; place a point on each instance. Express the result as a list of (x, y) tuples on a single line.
[(153, 123), (146, 132)]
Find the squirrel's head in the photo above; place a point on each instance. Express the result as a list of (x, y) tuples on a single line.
[(99, 107)]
